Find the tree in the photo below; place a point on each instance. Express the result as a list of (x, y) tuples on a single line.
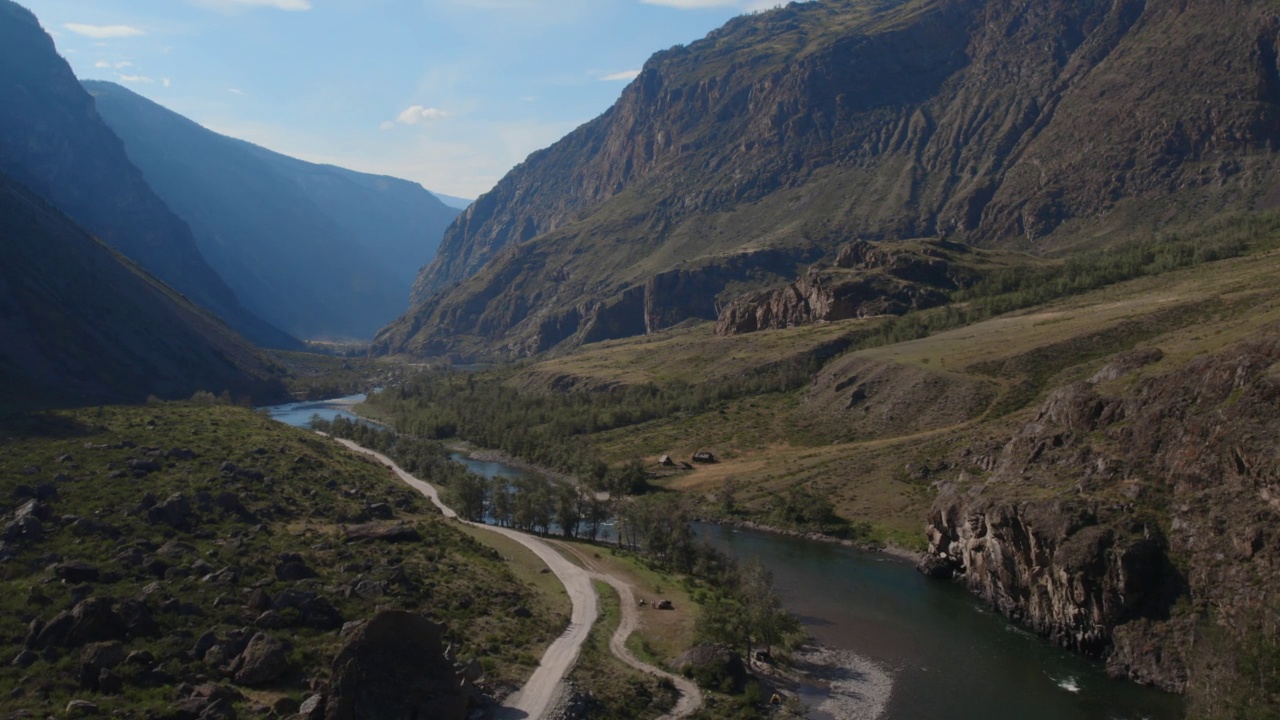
[(502, 505), (468, 494), (568, 510), (768, 622), (729, 495)]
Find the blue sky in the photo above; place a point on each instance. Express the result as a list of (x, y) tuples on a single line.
[(450, 93)]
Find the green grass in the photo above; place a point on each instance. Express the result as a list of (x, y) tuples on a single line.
[(308, 490)]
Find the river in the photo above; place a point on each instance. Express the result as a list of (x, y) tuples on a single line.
[(949, 656), (299, 414)]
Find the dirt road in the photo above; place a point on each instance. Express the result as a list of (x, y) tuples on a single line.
[(542, 691)]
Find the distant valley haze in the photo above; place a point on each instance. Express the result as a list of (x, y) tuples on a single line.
[(447, 93)]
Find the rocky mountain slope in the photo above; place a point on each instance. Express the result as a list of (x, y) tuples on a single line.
[(82, 325), (734, 162), (53, 141), (320, 251), (184, 561)]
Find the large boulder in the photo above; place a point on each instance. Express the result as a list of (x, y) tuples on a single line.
[(383, 532), (264, 660), (394, 667), (92, 620)]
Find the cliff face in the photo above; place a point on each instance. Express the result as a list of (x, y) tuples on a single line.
[(991, 121), (53, 141), (1126, 524)]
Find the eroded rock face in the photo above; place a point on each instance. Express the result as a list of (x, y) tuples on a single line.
[(394, 667), (1104, 511), (870, 279), (1052, 566)]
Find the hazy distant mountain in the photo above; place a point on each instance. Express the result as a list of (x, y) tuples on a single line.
[(53, 141), (82, 325), (735, 162), (454, 202), (321, 251)]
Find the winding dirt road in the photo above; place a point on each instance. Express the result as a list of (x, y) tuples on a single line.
[(542, 691)]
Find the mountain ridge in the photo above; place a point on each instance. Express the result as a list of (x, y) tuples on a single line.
[(322, 251), (803, 128), (53, 141)]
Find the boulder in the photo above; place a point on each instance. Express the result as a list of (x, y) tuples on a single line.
[(174, 512), (92, 620), (394, 666), (313, 610), (143, 467), (293, 571), (24, 659), (77, 708), (260, 600), (312, 708), (76, 572), (383, 532), (263, 661)]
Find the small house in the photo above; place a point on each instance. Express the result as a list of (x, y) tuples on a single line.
[(703, 456), (666, 461)]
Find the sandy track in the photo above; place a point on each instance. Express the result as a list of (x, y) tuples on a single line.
[(690, 695), (542, 691)]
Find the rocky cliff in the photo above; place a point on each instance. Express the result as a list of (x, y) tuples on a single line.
[(868, 279), (1132, 519), (53, 141), (796, 130)]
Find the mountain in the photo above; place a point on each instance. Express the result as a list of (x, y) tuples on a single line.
[(53, 141), (453, 202), (81, 325), (320, 251), (732, 164)]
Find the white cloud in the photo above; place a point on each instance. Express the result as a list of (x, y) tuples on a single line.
[(627, 75), (417, 114), (104, 31), (102, 64), (143, 79), (235, 91), (165, 81)]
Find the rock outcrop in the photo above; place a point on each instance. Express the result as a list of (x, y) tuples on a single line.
[(394, 667), (1122, 525), (868, 280)]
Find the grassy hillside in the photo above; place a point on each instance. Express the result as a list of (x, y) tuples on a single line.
[(180, 516)]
